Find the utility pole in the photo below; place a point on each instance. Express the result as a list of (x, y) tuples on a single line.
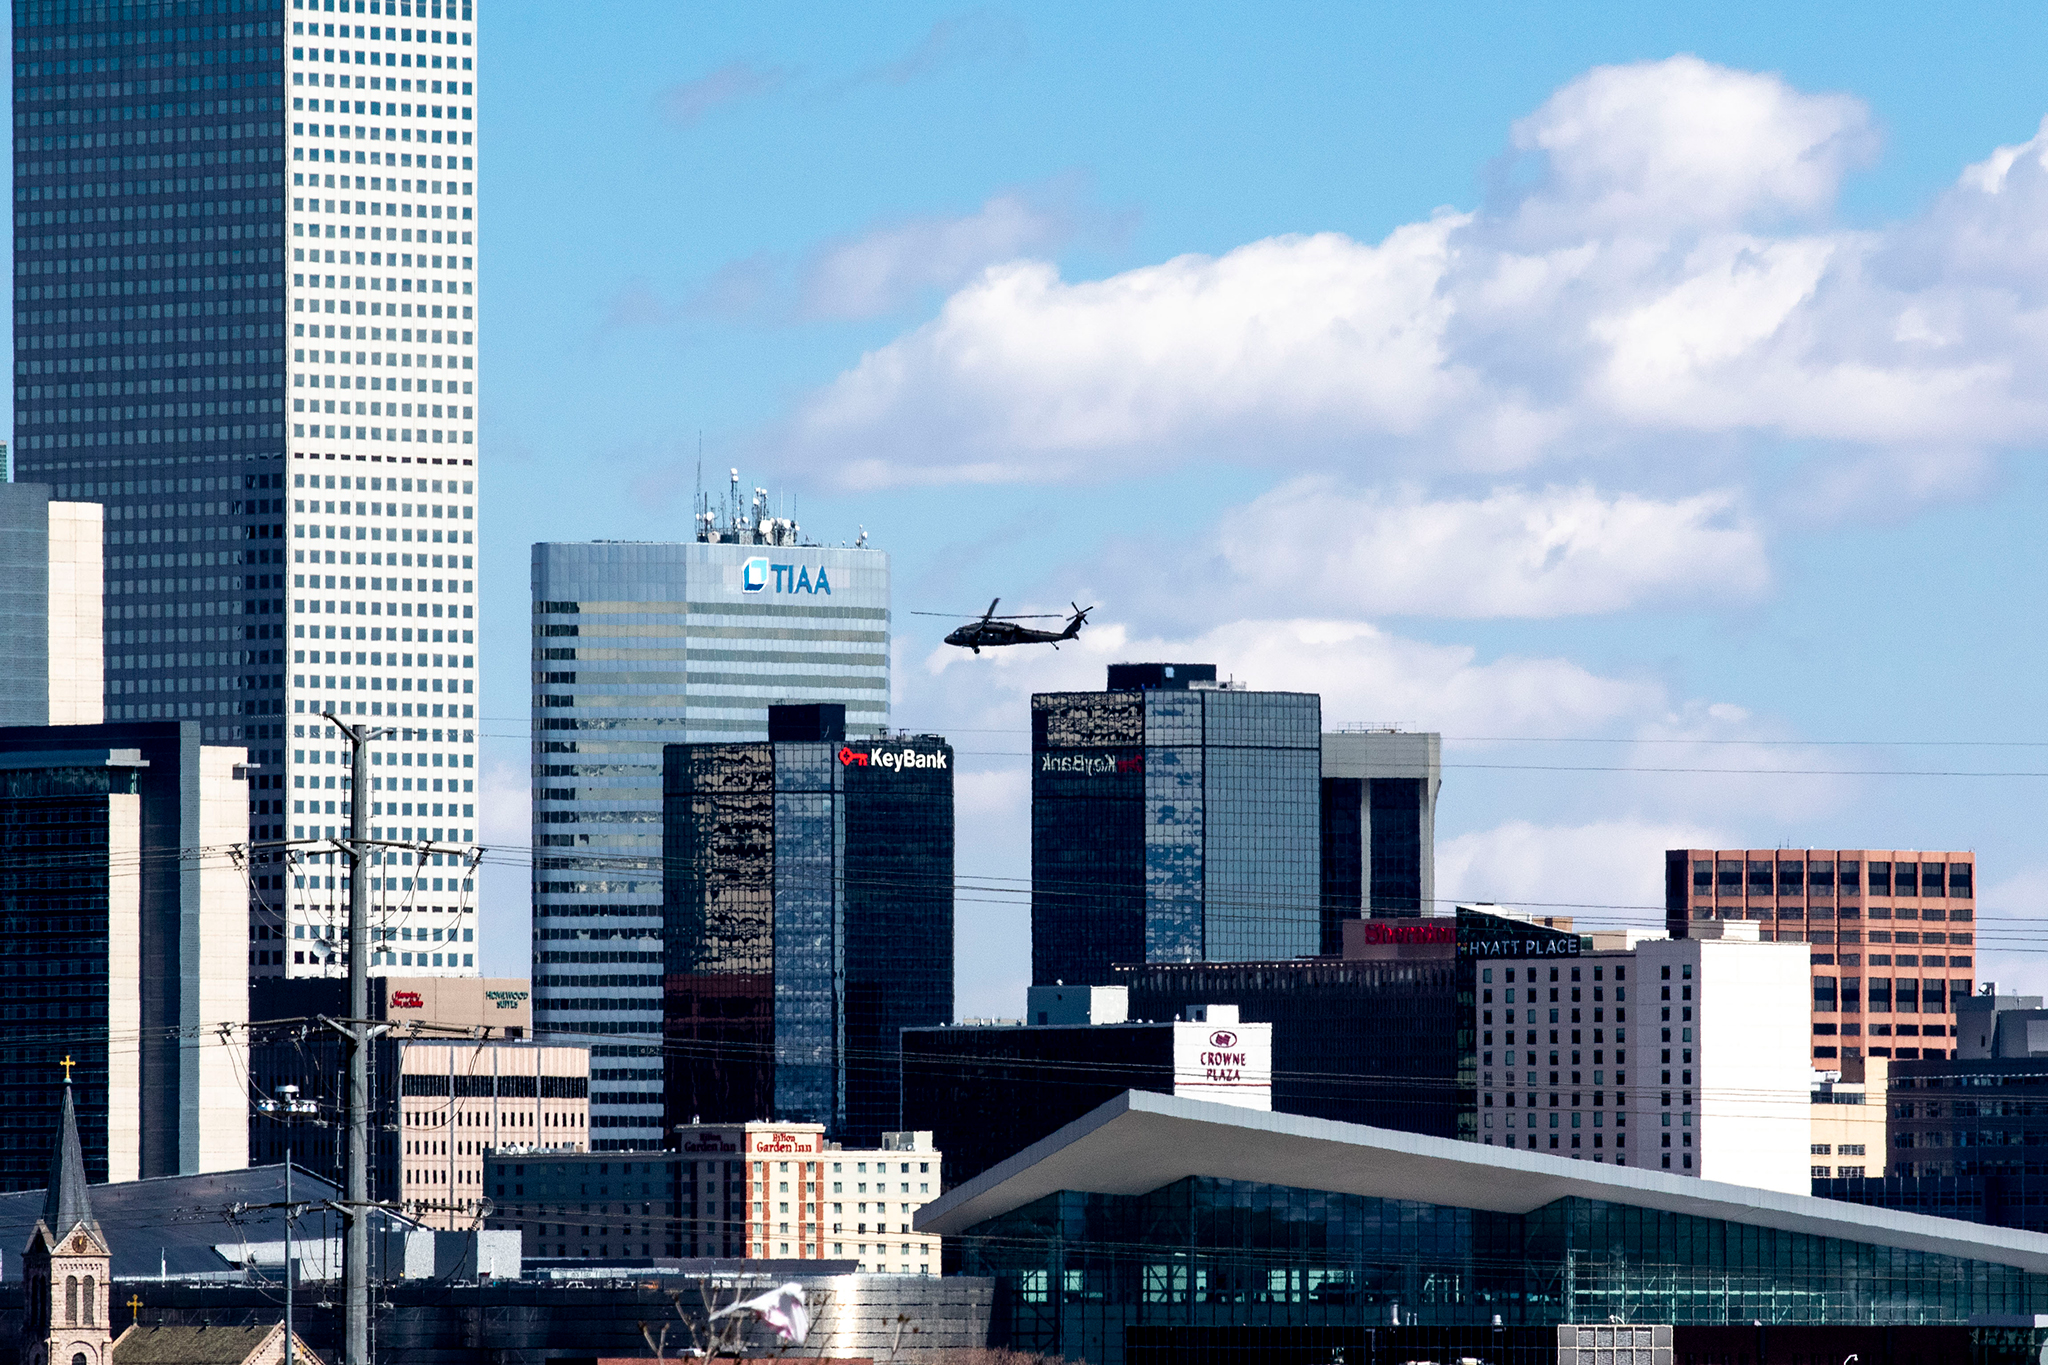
[(355, 1256), (289, 1211)]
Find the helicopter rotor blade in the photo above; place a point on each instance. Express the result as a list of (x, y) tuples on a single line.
[(969, 616)]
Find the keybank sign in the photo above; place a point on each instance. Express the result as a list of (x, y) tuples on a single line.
[(757, 574), (893, 760)]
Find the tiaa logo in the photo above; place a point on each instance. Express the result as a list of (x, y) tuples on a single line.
[(754, 575)]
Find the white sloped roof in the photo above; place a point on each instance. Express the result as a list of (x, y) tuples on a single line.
[(1141, 1141)]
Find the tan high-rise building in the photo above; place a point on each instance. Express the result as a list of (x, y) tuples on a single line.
[(1892, 933)]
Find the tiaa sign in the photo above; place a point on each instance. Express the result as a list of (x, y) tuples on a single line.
[(759, 574)]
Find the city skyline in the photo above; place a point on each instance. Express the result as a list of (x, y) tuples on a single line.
[(1643, 625)]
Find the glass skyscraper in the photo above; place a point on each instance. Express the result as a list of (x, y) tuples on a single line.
[(809, 916), (639, 646), (227, 213), (1172, 820)]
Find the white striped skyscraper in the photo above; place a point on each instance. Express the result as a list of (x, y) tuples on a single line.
[(228, 215)]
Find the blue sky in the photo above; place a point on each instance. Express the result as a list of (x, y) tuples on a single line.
[(1608, 389)]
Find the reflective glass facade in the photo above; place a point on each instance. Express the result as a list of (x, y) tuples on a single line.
[(808, 918), (1173, 825), (1077, 1271), (899, 927), (636, 647), (54, 909)]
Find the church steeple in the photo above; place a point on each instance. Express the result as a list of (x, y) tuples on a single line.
[(65, 1202), (66, 1265)]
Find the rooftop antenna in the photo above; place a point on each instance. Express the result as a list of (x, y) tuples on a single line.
[(697, 509)]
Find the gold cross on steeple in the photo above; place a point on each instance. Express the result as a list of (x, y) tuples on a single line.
[(134, 1304), (67, 1064)]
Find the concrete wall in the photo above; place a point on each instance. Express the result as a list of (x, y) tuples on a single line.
[(1859, 1123), (492, 1253), (77, 658), (51, 672), (862, 1316), (214, 961), (1751, 1076), (1391, 753), (124, 996), (493, 1003)]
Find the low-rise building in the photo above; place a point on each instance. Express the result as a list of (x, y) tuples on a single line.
[(989, 1091), (295, 1062), (1165, 1228), (1849, 1120), (754, 1191), (458, 1100)]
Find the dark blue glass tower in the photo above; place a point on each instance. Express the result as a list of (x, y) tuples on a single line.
[(808, 918), (1172, 820)]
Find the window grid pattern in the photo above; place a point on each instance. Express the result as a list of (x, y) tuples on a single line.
[(1077, 1270)]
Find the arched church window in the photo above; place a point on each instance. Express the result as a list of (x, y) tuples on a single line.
[(78, 1358), (71, 1301), (91, 1300)]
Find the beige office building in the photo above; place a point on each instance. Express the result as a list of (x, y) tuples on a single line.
[(458, 1099), (1850, 1112)]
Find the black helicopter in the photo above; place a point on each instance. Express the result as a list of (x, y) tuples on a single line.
[(992, 630)]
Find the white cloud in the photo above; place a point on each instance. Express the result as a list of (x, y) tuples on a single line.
[(1652, 281), (883, 268), (1024, 376), (1605, 874), (1361, 672), (892, 265), (1677, 144), (1319, 544)]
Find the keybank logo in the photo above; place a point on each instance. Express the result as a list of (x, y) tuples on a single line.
[(893, 760), (756, 574)]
